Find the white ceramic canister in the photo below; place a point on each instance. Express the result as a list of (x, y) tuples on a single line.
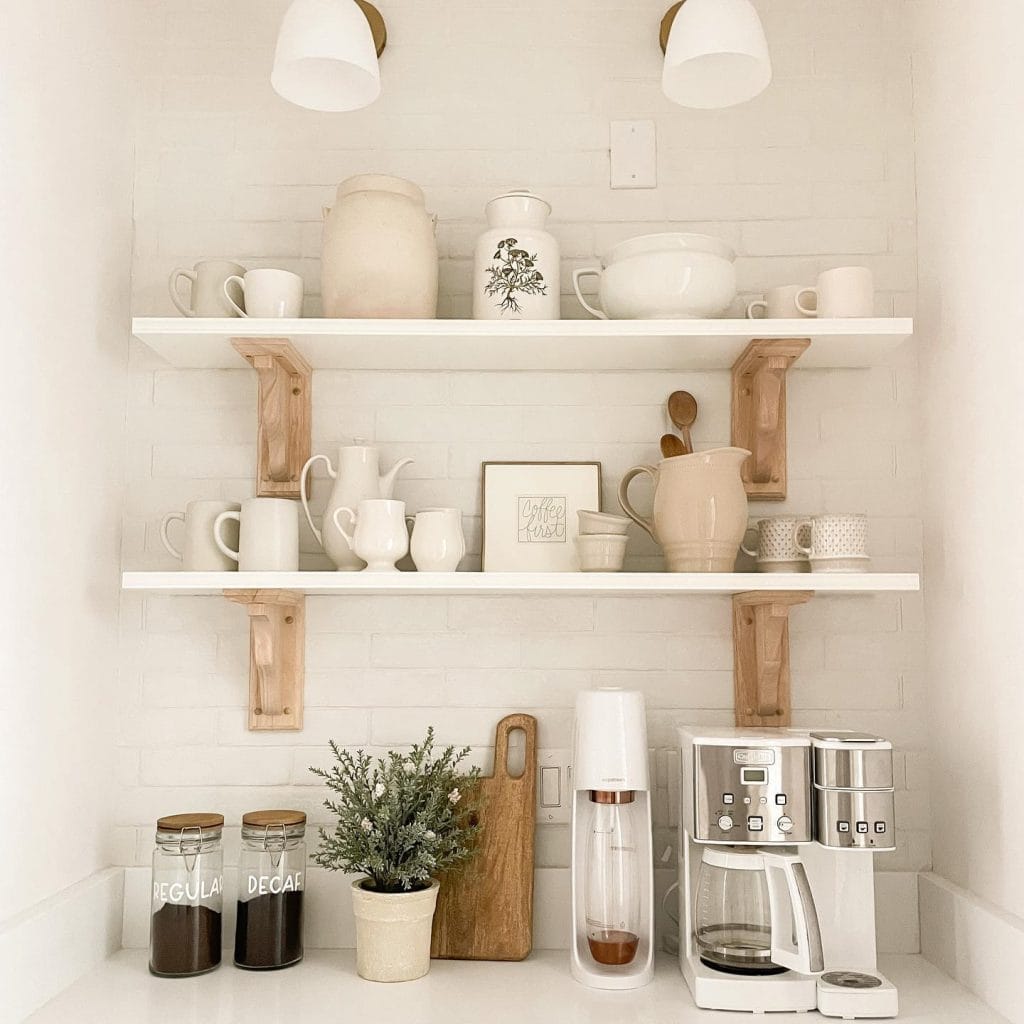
[(516, 269), (379, 251)]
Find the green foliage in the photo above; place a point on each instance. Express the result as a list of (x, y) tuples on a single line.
[(515, 274), (401, 819)]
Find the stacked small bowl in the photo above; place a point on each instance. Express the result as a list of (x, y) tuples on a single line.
[(601, 542)]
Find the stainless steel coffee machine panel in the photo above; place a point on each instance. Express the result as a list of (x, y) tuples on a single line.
[(752, 790), (853, 788)]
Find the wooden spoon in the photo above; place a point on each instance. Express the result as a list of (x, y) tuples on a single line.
[(671, 446), (682, 410)]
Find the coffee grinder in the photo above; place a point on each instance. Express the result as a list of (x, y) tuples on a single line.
[(612, 871)]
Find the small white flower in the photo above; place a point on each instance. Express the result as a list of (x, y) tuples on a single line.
[(429, 836), (366, 825), (378, 790), (410, 768), (454, 796)]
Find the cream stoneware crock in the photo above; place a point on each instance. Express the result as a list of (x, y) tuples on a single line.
[(700, 508)]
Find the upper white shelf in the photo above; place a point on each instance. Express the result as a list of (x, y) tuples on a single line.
[(205, 343), (443, 584)]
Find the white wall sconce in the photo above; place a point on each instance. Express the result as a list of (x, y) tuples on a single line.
[(327, 52), (716, 53)]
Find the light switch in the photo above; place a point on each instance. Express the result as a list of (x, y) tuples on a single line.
[(550, 787), (634, 154)]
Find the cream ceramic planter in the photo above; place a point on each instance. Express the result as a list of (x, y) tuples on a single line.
[(393, 932)]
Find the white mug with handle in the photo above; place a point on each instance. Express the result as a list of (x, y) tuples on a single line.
[(841, 292), (268, 293), (200, 552), (380, 537), (268, 535)]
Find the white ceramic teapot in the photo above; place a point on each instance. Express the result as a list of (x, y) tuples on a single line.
[(357, 479)]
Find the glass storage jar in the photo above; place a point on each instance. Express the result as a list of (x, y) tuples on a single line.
[(271, 884), (188, 888)]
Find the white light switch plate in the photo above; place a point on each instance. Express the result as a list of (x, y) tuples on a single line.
[(552, 768), (634, 154)]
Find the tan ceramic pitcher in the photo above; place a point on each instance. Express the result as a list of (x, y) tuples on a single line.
[(700, 508)]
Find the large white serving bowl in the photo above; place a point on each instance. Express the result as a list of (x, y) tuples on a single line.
[(671, 275)]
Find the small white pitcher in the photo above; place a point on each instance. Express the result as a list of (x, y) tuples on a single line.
[(380, 537), (438, 544)]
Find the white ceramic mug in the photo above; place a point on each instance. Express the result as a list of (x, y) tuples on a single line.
[(776, 549), (839, 535), (778, 304), (438, 544), (200, 552), (208, 297), (268, 293), (593, 522), (841, 292), (268, 535), (380, 537)]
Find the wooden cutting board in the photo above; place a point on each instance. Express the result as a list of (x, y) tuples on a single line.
[(485, 907)]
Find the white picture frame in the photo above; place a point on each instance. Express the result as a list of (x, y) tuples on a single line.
[(529, 521)]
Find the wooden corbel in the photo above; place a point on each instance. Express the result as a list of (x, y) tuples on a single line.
[(760, 640), (285, 413), (277, 656), (759, 413)]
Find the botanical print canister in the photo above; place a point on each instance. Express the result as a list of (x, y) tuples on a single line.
[(379, 251), (516, 267)]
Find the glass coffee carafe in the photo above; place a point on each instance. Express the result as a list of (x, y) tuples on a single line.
[(755, 913), (612, 872)]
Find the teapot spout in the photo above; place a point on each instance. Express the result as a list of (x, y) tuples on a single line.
[(387, 480)]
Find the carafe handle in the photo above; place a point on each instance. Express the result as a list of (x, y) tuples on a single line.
[(584, 272), (647, 524), (793, 917), (305, 496)]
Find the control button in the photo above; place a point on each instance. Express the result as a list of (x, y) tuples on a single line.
[(763, 801), (842, 826), (727, 798), (862, 827), (880, 827), (725, 822), (755, 823), (780, 799), (746, 799), (785, 824)]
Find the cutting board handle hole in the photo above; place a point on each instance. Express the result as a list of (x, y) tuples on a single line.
[(515, 762)]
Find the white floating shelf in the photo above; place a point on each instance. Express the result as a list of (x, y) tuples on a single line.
[(508, 583), (205, 343)]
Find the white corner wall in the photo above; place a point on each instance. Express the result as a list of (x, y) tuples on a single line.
[(65, 259), (969, 81)]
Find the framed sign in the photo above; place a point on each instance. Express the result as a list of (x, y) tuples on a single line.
[(529, 513)]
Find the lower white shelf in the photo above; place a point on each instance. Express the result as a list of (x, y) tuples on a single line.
[(505, 583)]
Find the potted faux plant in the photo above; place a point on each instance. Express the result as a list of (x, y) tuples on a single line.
[(401, 820)]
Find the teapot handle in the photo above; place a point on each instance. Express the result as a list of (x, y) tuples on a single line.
[(647, 524), (304, 494)]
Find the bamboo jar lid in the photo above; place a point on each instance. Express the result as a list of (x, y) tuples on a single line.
[(265, 819), (180, 822)]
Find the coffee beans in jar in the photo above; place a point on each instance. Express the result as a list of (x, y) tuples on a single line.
[(271, 890), (187, 902)]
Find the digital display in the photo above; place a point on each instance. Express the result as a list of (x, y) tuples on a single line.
[(753, 776)]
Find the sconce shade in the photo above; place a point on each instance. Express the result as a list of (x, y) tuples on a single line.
[(326, 57), (716, 54)]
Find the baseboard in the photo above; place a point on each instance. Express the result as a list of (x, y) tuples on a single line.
[(49, 946), (329, 923), (974, 942)]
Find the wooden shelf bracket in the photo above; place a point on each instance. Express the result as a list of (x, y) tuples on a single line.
[(760, 638), (285, 413), (759, 413), (277, 656)]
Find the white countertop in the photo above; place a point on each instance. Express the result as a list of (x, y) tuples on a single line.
[(325, 987)]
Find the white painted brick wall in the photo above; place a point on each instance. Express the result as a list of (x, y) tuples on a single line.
[(817, 172)]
